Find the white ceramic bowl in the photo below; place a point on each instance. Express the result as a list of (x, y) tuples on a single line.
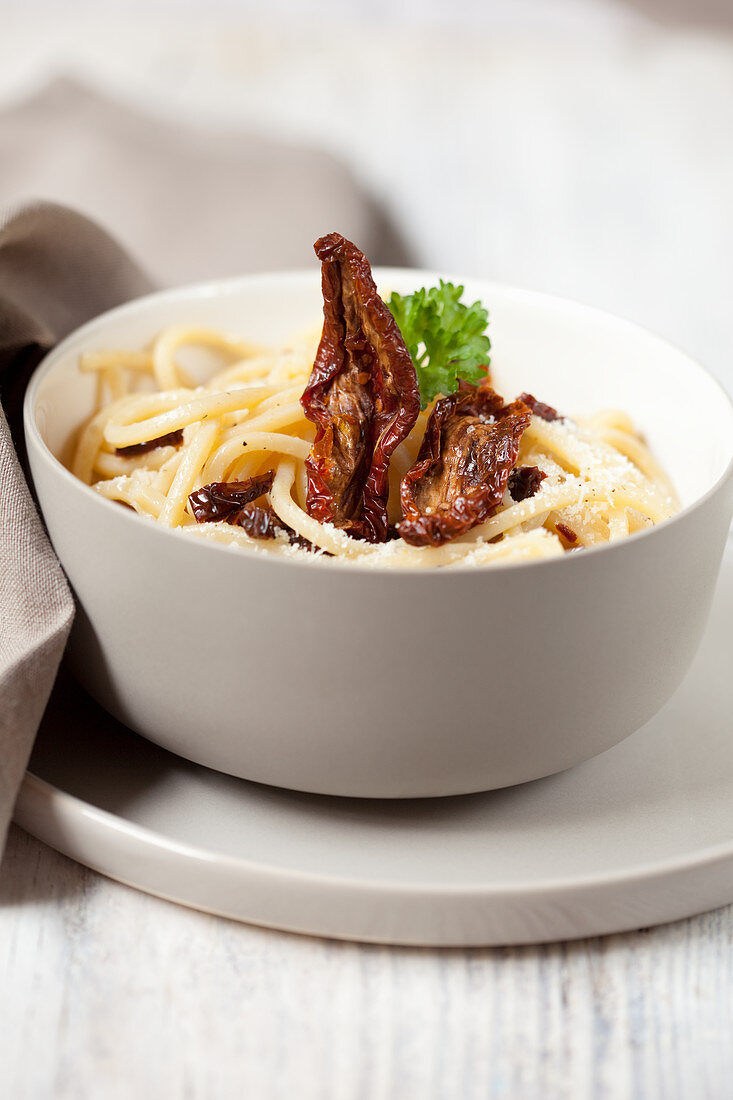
[(332, 678)]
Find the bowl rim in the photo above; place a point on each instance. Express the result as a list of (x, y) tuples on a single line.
[(213, 288)]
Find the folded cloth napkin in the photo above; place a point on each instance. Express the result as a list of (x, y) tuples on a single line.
[(56, 270), (193, 200)]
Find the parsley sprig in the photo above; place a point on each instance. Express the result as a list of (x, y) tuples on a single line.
[(445, 337)]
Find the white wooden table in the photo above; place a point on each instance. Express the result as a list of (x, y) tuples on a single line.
[(107, 992)]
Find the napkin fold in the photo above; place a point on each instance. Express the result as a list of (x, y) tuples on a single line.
[(195, 204)]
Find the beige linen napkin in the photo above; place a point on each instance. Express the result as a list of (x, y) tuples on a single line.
[(194, 205), (56, 270)]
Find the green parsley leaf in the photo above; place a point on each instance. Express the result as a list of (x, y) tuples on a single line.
[(445, 338)]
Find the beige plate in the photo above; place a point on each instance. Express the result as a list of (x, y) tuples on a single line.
[(640, 835)]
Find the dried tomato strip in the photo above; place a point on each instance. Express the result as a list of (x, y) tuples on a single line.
[(362, 395), (221, 499), (172, 439), (545, 412), (470, 447), (524, 482), (264, 523), (568, 537)]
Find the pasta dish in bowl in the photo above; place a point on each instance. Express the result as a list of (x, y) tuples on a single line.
[(368, 559), (467, 479)]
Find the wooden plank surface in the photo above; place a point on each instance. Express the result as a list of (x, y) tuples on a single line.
[(107, 992)]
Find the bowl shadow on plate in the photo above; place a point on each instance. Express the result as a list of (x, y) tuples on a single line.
[(127, 770)]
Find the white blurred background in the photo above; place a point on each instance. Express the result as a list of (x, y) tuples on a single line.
[(583, 147)]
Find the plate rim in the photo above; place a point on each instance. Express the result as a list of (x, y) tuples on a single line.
[(34, 787)]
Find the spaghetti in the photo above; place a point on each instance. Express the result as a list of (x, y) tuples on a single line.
[(600, 483)]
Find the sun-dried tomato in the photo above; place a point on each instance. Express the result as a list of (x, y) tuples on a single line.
[(233, 502), (172, 439), (362, 396), (221, 499), (259, 522), (545, 412), (470, 446), (524, 482), (263, 523), (568, 537)]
